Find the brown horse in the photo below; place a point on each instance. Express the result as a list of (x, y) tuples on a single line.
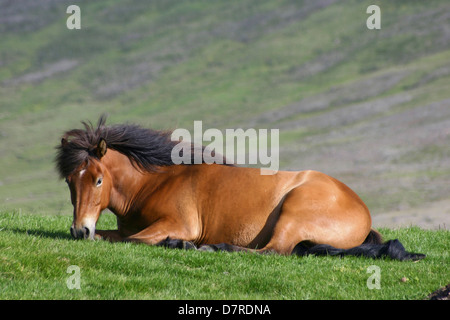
[(128, 169)]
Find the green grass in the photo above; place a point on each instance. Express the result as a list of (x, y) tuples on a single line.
[(36, 250)]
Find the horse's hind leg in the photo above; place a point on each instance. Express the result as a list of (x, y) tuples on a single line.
[(285, 237), (320, 212)]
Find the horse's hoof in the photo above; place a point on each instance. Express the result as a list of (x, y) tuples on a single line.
[(206, 248), (187, 245)]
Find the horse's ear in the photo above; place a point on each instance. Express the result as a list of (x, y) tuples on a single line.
[(64, 142), (101, 148)]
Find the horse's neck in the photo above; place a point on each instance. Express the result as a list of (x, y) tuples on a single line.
[(127, 183)]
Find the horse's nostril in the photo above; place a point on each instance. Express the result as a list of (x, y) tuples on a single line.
[(86, 232), (82, 233)]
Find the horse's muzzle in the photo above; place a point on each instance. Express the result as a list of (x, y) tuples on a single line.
[(83, 233)]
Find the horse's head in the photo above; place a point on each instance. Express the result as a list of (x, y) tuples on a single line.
[(90, 187)]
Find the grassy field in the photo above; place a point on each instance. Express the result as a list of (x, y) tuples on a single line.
[(36, 252)]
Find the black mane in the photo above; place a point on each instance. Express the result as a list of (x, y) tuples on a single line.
[(146, 148)]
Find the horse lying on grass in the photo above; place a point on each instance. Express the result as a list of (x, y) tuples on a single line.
[(128, 169)]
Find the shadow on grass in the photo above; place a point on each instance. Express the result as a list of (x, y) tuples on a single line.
[(41, 233)]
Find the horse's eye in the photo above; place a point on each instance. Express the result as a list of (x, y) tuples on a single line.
[(99, 182)]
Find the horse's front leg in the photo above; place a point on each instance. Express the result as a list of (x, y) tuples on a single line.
[(114, 236), (109, 235), (176, 244), (224, 247), (165, 233)]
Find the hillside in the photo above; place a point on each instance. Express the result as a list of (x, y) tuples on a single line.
[(369, 107)]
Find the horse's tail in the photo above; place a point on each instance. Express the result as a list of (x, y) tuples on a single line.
[(372, 247)]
